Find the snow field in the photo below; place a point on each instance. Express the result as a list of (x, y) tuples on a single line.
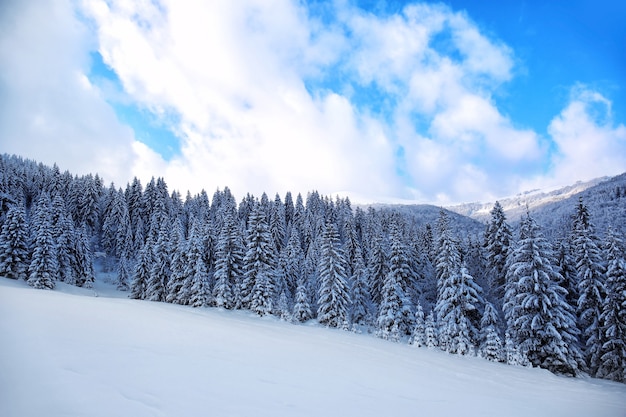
[(68, 353)]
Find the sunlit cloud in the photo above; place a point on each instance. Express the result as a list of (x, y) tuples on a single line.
[(282, 95)]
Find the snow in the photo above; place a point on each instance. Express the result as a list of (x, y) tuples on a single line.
[(69, 353)]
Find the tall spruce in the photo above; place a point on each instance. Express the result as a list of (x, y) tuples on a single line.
[(257, 284), (334, 294), (539, 320), (590, 277), (612, 357), (14, 254), (498, 239)]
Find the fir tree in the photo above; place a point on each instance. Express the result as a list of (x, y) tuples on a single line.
[(123, 275), (258, 262), (334, 295), (498, 239), (418, 339), (491, 347), (612, 356), (228, 264), (396, 309), (361, 299), (83, 266), (160, 269), (302, 308), (43, 266), (430, 331), (591, 289), (14, 254), (141, 276), (200, 290), (539, 320)]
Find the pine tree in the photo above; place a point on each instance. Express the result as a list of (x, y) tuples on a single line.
[(160, 269), (430, 331), (180, 248), (302, 308), (591, 289), (123, 275), (396, 308), (200, 290), (258, 263), (228, 264), (14, 254), (498, 239), (491, 347), (361, 299), (378, 268), (43, 266), (83, 266), (418, 339), (612, 363), (334, 295), (141, 276), (539, 320)]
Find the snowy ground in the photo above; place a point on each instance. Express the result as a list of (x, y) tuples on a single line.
[(68, 353)]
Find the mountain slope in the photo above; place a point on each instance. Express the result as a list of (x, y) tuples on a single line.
[(604, 197), (68, 353)]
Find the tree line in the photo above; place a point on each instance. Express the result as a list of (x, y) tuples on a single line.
[(519, 299)]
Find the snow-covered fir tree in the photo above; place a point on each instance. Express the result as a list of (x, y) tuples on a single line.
[(200, 290), (430, 331), (396, 309), (539, 320), (334, 294), (498, 239), (141, 274), (612, 355), (302, 307), (418, 338), (491, 346), (14, 253), (257, 285), (590, 277), (43, 266), (160, 268), (123, 275), (228, 264), (361, 299)]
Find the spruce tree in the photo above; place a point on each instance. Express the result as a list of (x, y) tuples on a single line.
[(141, 274), (361, 299), (539, 320), (258, 263), (591, 289), (612, 355), (228, 264), (43, 267), (396, 308), (418, 338), (14, 254), (430, 331), (491, 347), (498, 239), (160, 269), (334, 295), (302, 308)]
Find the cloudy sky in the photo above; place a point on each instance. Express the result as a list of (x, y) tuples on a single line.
[(383, 101)]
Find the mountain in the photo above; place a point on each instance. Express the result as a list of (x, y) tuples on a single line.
[(68, 353), (604, 197)]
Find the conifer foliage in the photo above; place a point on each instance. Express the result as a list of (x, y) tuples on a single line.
[(539, 320), (378, 270), (334, 295)]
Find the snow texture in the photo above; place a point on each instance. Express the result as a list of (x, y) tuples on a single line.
[(68, 353)]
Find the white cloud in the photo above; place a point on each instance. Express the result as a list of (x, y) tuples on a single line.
[(50, 110), (242, 80), (589, 144)]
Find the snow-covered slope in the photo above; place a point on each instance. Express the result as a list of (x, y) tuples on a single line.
[(69, 353), (515, 206)]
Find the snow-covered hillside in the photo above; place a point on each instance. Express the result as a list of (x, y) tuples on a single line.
[(514, 207), (69, 353)]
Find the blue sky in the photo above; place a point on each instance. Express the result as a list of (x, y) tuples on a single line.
[(438, 102)]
